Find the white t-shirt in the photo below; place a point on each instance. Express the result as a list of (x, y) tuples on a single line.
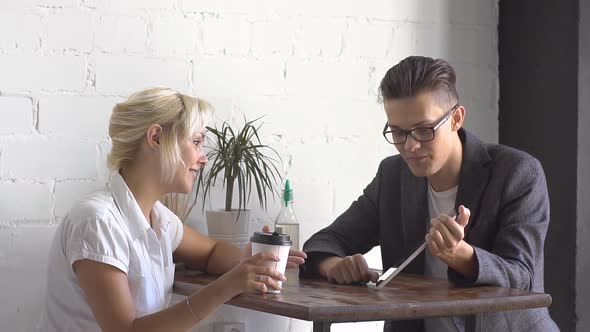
[(442, 202), (109, 227)]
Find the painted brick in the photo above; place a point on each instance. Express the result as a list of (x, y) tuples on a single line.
[(9, 4), (312, 8), (23, 261), (331, 78), (473, 12), (51, 72), (57, 114), (354, 118), (46, 159), (369, 39), (56, 3), (273, 38), (24, 201), (214, 6), (127, 74), (104, 147), (174, 35), (432, 40), (67, 193), (70, 30), (238, 77), (230, 35), (120, 34), (404, 41), (19, 31), (398, 10), (320, 37), (16, 114), (312, 193), (469, 45), (286, 116), (118, 5)]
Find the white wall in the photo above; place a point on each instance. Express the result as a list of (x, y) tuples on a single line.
[(312, 66)]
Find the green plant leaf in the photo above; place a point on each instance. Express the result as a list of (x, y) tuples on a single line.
[(240, 158)]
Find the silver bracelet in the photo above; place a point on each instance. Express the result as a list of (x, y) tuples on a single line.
[(188, 304)]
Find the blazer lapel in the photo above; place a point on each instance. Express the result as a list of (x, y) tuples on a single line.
[(475, 174), (414, 216)]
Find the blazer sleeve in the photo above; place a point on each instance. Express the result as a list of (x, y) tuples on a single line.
[(354, 231), (522, 221)]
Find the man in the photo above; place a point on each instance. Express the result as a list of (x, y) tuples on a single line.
[(482, 209)]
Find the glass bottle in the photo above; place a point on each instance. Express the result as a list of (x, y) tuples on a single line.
[(286, 222)]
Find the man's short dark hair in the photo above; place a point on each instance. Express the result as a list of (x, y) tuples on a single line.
[(417, 74)]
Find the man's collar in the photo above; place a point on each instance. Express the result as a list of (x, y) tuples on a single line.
[(474, 150)]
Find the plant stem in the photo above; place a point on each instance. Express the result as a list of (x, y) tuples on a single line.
[(229, 190)]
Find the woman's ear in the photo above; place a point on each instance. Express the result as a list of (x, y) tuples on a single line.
[(153, 136), (458, 118)]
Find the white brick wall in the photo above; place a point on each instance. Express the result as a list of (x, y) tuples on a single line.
[(125, 74), (26, 37), (320, 37), (312, 67), (234, 77), (17, 115), (120, 34), (37, 158), (15, 198), (229, 34), (87, 116), (174, 35), (42, 72), (70, 30)]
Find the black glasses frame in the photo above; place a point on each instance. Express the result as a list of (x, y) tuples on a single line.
[(411, 132)]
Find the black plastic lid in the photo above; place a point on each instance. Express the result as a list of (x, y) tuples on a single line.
[(274, 239)]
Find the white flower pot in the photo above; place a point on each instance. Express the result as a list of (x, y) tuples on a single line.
[(228, 226)]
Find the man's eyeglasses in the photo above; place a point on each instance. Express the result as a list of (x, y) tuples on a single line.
[(419, 134)]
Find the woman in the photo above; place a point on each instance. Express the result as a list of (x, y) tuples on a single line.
[(111, 265)]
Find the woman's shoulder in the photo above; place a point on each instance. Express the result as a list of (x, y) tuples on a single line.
[(99, 206)]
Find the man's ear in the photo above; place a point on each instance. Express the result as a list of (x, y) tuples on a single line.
[(153, 136), (457, 118)]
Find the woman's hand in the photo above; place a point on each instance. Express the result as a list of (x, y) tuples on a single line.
[(296, 257), (253, 274)]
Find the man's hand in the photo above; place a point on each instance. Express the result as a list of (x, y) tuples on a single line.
[(446, 233), (445, 241), (347, 270)]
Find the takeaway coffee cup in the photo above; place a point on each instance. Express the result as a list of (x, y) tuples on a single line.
[(276, 243)]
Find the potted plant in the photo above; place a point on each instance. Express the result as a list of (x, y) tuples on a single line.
[(240, 161)]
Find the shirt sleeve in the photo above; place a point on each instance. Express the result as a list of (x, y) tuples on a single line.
[(176, 231), (99, 239)]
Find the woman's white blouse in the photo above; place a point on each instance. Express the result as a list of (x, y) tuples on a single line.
[(109, 227)]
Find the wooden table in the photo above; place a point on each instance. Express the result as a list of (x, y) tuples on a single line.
[(406, 297)]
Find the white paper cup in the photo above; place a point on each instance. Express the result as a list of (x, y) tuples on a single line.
[(278, 244)]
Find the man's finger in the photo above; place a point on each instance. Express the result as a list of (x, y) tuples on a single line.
[(464, 214), (353, 270), (453, 226), (345, 273), (431, 245), (448, 237), (361, 267)]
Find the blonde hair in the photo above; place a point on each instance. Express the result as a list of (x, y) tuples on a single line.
[(179, 116)]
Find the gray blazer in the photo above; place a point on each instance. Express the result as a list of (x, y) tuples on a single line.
[(505, 190)]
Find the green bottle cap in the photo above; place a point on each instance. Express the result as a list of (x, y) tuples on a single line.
[(287, 193)]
